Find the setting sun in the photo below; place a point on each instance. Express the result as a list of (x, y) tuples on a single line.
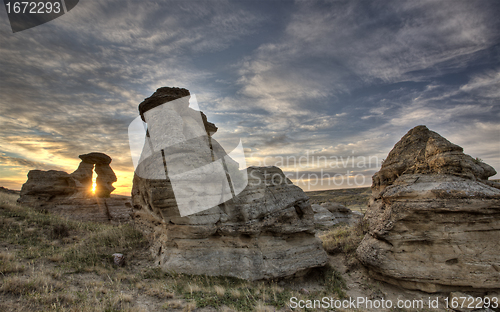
[(93, 183)]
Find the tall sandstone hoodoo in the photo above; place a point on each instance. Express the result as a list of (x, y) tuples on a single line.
[(265, 231), (434, 218)]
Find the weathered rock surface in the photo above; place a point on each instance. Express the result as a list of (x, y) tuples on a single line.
[(105, 179), (83, 178), (322, 217), (116, 209), (266, 231), (46, 185), (342, 213), (422, 151), (330, 213), (434, 221), (70, 195)]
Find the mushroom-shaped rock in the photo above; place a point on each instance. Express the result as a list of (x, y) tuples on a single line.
[(105, 175)]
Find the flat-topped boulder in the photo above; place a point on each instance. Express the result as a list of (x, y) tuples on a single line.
[(434, 218), (43, 185)]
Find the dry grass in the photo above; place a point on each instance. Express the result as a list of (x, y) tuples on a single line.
[(53, 264), (226, 309), (235, 293), (175, 304), (193, 288), (219, 290), (262, 307), (8, 200), (8, 264), (343, 238), (158, 290), (190, 306), (52, 252), (126, 297), (39, 283)]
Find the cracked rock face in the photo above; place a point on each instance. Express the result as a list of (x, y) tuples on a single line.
[(434, 218), (265, 231)]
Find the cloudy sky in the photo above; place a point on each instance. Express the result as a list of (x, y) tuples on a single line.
[(344, 80)]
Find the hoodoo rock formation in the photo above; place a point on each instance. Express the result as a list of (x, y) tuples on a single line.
[(263, 229), (434, 218), (71, 195), (105, 175)]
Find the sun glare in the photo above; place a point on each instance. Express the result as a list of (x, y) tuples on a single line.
[(93, 184)]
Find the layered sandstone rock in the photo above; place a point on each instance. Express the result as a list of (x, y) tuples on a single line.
[(262, 226), (70, 195), (342, 214), (330, 213), (434, 219), (46, 185), (322, 217), (83, 178)]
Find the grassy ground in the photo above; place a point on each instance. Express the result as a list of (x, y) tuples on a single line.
[(51, 264), (344, 239)]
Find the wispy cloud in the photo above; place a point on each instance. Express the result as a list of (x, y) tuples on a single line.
[(73, 85), (25, 163), (337, 78)]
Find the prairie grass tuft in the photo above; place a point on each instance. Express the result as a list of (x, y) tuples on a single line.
[(344, 238), (334, 282)]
